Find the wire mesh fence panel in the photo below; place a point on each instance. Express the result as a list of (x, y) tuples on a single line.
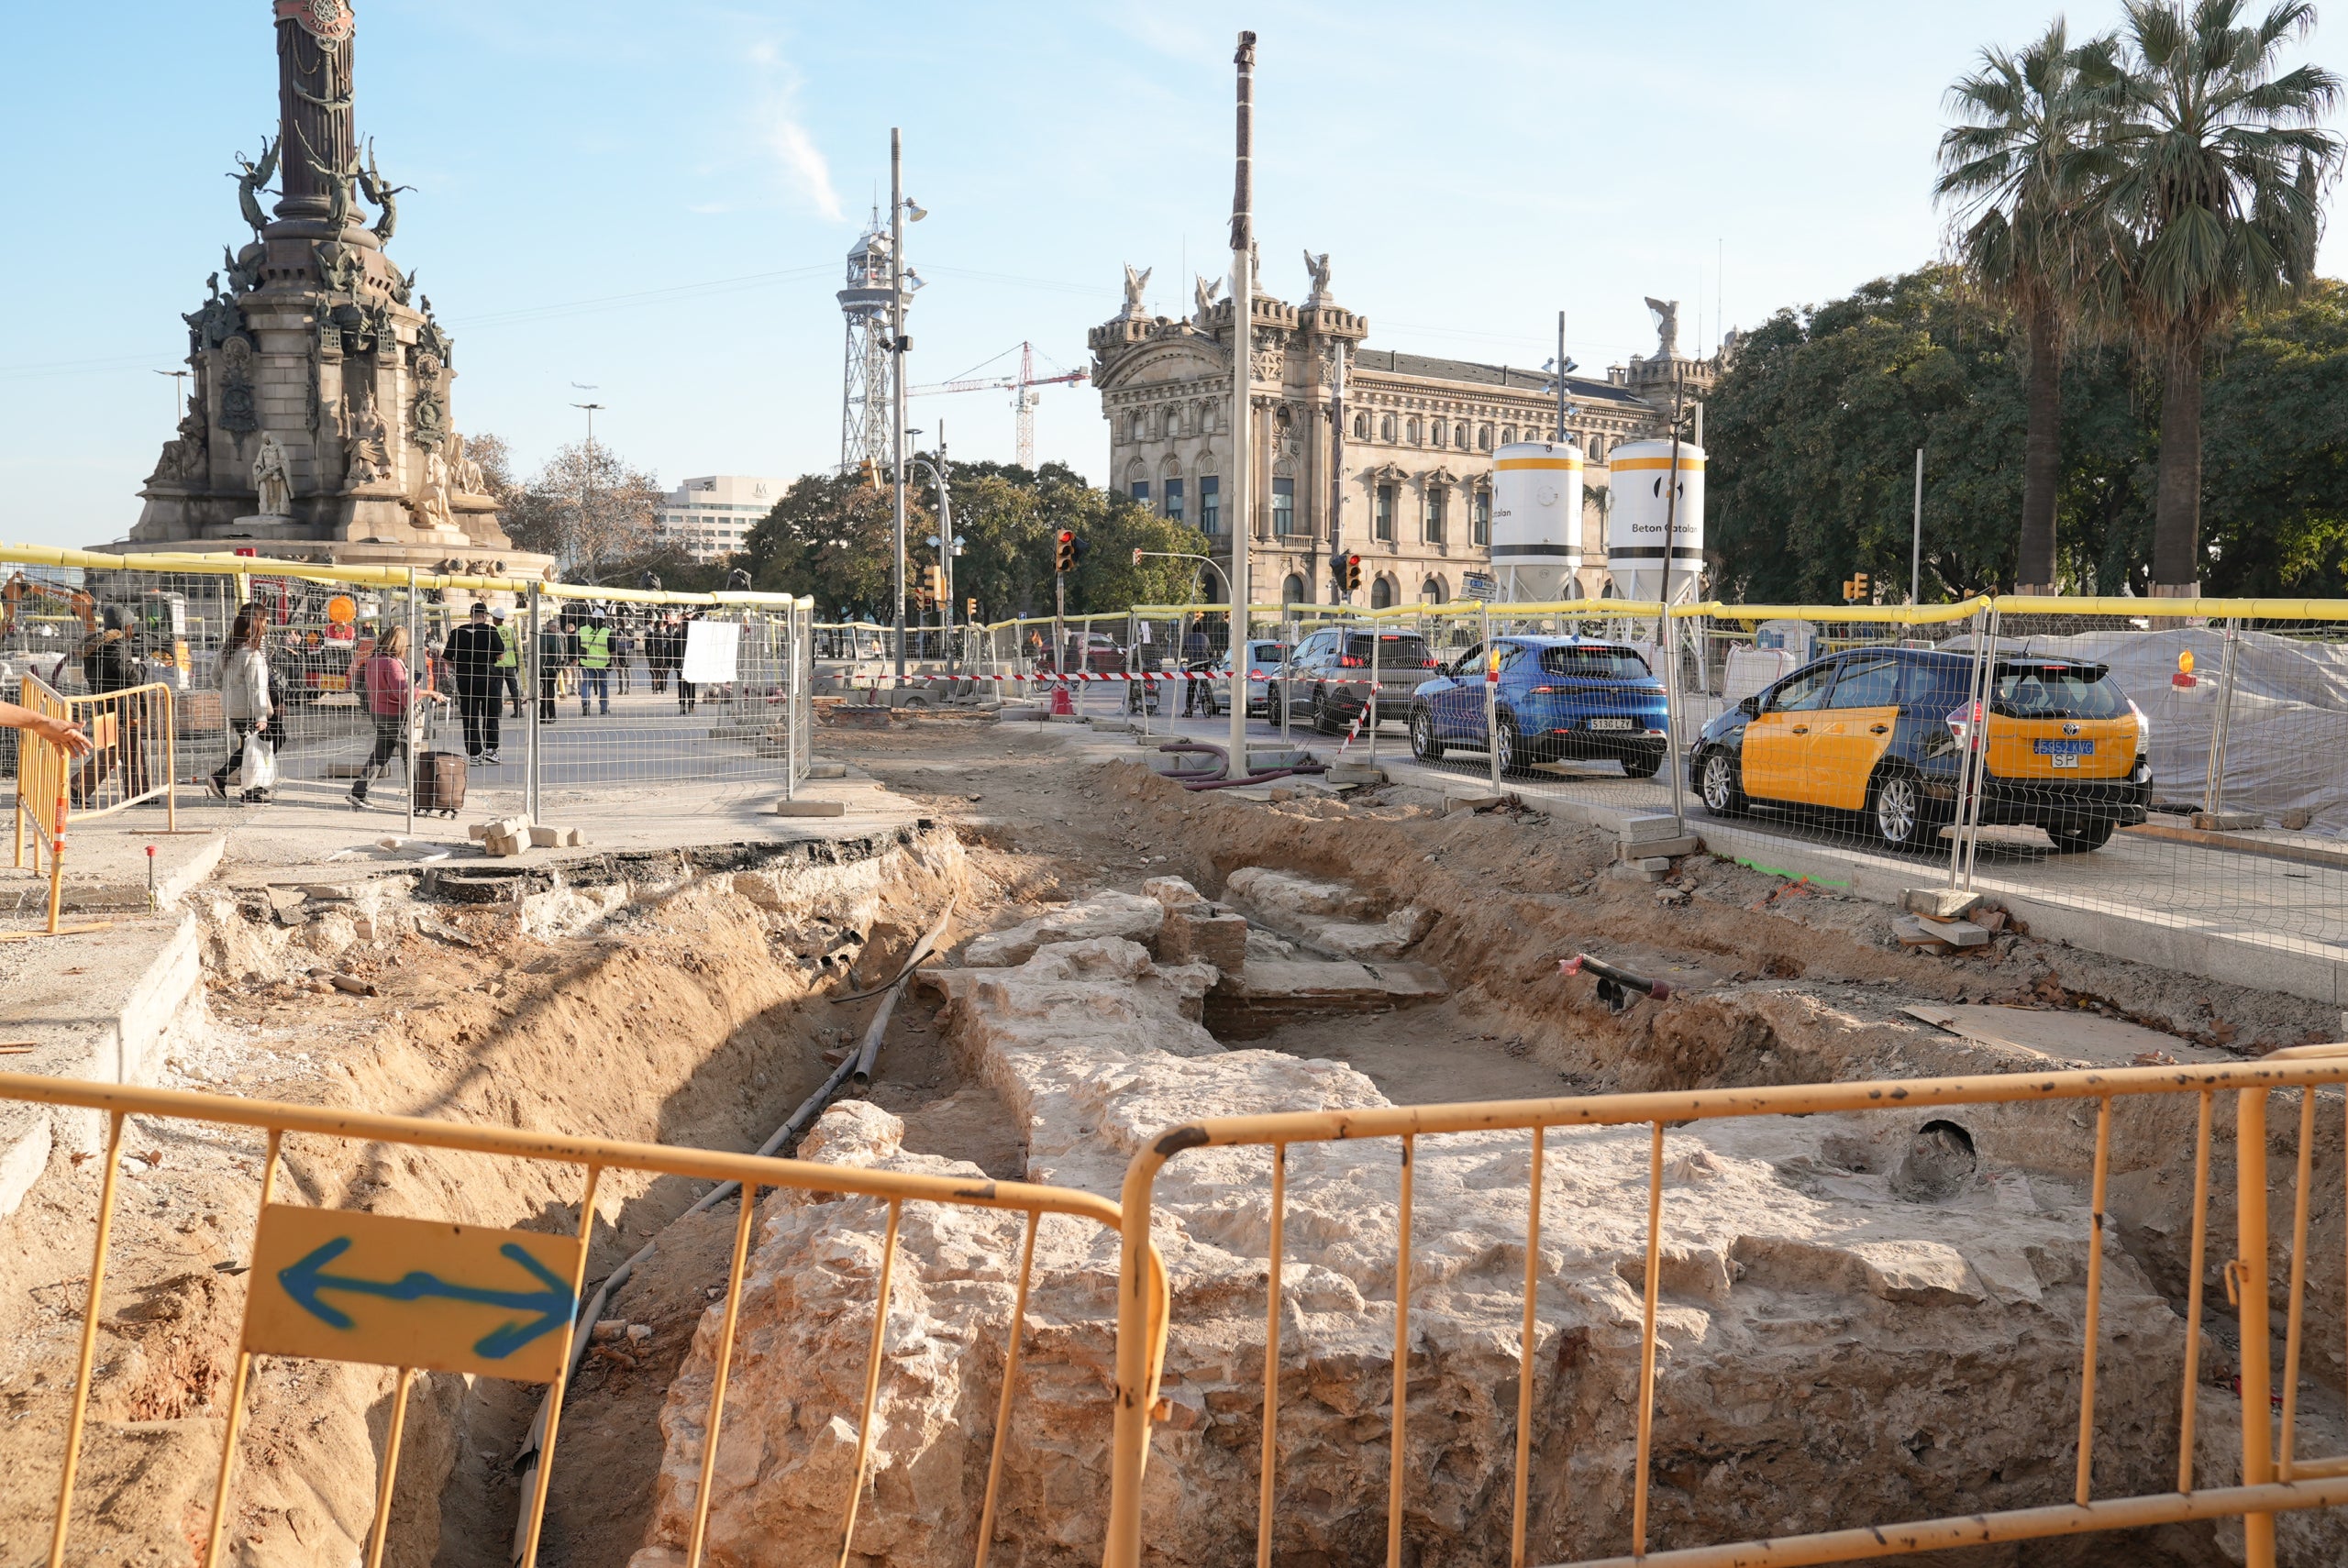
[(2202, 758)]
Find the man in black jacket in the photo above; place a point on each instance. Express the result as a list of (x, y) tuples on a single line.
[(473, 654)]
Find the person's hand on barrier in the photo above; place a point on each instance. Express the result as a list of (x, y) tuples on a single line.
[(55, 730)]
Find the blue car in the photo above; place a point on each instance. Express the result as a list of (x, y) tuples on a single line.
[(1558, 698)]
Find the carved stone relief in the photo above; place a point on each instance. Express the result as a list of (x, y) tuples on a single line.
[(239, 412)]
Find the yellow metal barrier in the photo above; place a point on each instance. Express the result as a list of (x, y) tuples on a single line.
[(404, 1261), (2272, 1482)]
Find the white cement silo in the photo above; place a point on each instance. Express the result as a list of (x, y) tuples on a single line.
[(1536, 520), (1637, 554)]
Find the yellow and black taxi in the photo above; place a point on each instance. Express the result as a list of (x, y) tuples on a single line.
[(1885, 733)]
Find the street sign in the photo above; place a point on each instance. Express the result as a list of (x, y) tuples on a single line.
[(1476, 585), (343, 1285)]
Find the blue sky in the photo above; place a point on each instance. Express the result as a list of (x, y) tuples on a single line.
[(656, 200)]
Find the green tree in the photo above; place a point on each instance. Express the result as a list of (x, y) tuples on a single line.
[(1811, 439), (2009, 171), (2209, 167), (833, 538), (2276, 424)]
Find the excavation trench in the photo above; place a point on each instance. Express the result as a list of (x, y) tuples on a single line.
[(663, 999), (1864, 1318), (1890, 1298)]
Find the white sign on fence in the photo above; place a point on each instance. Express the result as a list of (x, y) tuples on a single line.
[(711, 651)]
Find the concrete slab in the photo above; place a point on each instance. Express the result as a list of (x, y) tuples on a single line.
[(2065, 1035), (1268, 993), (805, 807)]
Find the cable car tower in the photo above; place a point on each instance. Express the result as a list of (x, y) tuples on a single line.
[(866, 385)]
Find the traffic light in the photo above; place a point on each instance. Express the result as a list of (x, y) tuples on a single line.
[(868, 474), (971, 606), (933, 582), (1352, 573), (1064, 557), (1857, 592)]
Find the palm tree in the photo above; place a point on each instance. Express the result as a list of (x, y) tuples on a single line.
[(2008, 168), (2210, 166)]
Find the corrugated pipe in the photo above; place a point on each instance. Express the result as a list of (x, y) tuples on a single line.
[(1264, 777), (856, 1065)]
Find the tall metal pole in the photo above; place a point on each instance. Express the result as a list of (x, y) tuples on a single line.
[(417, 710), (897, 371), (1243, 335), (945, 553), (1916, 538), (1561, 401), (532, 747), (1665, 639), (1337, 477)]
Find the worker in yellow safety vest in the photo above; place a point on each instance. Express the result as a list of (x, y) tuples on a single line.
[(509, 660), (595, 660)]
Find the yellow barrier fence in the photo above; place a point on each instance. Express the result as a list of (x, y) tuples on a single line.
[(2274, 1476), (354, 1286)]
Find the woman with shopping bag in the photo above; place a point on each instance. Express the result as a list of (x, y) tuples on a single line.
[(243, 676)]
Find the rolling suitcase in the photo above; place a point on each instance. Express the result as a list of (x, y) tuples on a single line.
[(439, 776)]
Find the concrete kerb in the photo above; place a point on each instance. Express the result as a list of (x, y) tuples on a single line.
[(107, 1024)]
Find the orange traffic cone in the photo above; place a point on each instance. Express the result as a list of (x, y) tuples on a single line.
[(1060, 703)]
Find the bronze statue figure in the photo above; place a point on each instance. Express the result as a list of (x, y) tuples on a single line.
[(382, 194), (252, 180)]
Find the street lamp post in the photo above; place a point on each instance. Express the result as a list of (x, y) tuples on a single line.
[(587, 475), (899, 209)]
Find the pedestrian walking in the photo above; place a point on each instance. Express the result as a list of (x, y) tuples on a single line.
[(110, 664), (657, 659), (242, 676), (688, 695), (595, 662), (509, 662), (1197, 695), (623, 651), (554, 656), (389, 697), (475, 655)]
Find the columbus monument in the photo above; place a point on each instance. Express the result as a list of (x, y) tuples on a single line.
[(318, 421)]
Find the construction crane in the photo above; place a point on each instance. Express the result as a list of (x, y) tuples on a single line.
[(1023, 387)]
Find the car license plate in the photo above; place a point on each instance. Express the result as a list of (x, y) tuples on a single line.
[(2063, 748), (2065, 759), (1612, 724)]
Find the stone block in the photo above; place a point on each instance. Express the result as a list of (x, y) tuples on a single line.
[(1195, 933), (1648, 849), (1940, 904), (1172, 891), (2228, 821), (806, 808)]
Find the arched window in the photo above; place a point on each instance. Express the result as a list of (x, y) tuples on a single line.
[(1598, 449), (1134, 426), (1381, 595), (1361, 426), (1508, 435), (1206, 419), (1386, 428), (1484, 438), (1293, 591), (1460, 437), (1431, 592), (1414, 430), (1442, 433), (1173, 420)]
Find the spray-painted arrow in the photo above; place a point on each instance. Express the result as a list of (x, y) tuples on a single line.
[(307, 1281)]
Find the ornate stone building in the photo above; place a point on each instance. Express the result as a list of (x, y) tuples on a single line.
[(318, 420), (1392, 462)]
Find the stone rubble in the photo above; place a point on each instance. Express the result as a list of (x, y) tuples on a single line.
[(1831, 1351)]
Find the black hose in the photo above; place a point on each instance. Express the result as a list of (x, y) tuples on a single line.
[(1258, 778)]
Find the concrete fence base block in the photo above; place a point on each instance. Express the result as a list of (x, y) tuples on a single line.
[(1939, 903), (827, 770), (811, 808)]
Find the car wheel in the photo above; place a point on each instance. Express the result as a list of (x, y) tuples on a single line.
[(1320, 715), (1509, 743), (2078, 837), (1717, 781), (1641, 764), (1896, 807), (1423, 744)]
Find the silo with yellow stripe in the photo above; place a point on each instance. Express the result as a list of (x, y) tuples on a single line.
[(1536, 520), (1644, 563)]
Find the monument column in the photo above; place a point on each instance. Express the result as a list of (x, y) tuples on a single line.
[(314, 55)]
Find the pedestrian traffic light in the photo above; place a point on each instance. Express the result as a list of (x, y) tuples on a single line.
[(1064, 558), (1352, 573)]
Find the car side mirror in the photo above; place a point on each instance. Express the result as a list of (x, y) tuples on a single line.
[(1751, 706)]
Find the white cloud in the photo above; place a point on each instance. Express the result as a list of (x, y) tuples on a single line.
[(804, 169)]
